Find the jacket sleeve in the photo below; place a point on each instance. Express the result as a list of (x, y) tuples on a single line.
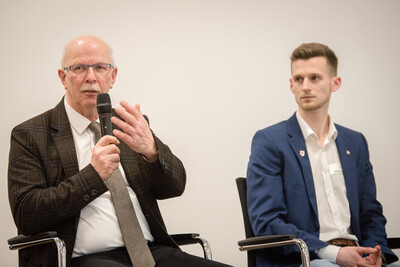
[(167, 173), (40, 195), (372, 221), (267, 194)]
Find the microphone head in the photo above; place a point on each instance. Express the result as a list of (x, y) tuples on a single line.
[(103, 103)]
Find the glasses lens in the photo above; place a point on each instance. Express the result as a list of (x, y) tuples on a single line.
[(101, 68), (79, 69)]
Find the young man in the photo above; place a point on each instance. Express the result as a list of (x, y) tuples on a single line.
[(310, 177), (62, 179)]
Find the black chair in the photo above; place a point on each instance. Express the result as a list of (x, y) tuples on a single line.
[(251, 243), (393, 242), (22, 241)]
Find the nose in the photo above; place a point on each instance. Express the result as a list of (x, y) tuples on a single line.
[(306, 84), (91, 76)]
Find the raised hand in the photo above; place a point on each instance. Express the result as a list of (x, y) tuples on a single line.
[(136, 131)]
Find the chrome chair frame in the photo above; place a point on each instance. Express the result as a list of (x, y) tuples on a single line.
[(22, 241), (252, 243), (194, 238)]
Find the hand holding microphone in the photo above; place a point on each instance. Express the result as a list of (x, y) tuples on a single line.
[(105, 155)]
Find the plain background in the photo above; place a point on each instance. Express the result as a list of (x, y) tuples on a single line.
[(209, 74)]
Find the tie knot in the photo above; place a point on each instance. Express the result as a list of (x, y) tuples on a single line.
[(95, 127)]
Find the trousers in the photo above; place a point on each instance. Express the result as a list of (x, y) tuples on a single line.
[(164, 257)]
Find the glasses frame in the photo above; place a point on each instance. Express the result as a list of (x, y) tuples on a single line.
[(88, 66)]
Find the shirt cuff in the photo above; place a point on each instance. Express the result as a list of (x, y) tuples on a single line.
[(329, 252), (148, 160)]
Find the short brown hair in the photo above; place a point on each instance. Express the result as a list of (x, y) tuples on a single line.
[(310, 50)]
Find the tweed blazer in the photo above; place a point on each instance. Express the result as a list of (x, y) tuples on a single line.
[(47, 190)]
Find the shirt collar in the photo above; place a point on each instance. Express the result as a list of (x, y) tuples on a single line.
[(307, 131), (78, 122)]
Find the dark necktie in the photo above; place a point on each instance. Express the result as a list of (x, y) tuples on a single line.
[(131, 231)]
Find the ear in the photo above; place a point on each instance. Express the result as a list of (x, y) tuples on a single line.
[(113, 76), (61, 74), (291, 85), (336, 83)]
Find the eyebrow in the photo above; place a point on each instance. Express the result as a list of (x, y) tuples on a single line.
[(307, 74)]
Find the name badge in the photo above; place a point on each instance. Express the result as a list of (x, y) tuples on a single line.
[(335, 169)]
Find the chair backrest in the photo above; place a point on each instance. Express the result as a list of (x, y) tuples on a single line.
[(242, 189)]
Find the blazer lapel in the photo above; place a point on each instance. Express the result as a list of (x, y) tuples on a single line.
[(349, 169), (298, 145), (63, 140)]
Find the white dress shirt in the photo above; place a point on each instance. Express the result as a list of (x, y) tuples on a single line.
[(330, 188), (98, 228)]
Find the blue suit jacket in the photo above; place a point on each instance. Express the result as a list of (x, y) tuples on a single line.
[(281, 193)]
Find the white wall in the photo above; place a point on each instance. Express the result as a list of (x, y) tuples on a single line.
[(209, 74)]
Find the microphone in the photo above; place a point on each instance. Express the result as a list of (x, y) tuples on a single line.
[(104, 110)]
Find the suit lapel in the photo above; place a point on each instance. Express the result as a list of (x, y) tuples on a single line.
[(63, 140), (349, 169), (297, 143)]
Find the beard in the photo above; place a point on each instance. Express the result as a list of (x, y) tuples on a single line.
[(313, 105)]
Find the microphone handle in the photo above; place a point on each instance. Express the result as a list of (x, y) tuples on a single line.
[(105, 124)]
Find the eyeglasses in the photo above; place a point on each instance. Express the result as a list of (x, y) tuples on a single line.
[(100, 68)]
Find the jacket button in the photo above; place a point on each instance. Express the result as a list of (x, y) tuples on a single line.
[(86, 198), (94, 192)]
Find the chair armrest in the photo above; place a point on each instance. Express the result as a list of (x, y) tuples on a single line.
[(23, 241), (186, 239), (393, 242), (259, 242), (193, 238), (30, 238), (265, 239)]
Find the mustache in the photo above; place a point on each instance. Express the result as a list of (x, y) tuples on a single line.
[(91, 88)]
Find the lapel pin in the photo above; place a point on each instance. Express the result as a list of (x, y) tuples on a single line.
[(348, 152), (302, 153)]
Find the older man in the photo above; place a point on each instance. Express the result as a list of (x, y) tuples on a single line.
[(60, 174)]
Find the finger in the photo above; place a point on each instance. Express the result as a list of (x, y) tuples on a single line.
[(121, 124), (377, 255), (365, 250), (106, 140), (125, 115), (133, 110), (131, 128), (122, 136), (366, 262), (114, 158), (112, 149)]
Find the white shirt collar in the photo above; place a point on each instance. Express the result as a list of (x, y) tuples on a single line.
[(78, 122), (307, 131)]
